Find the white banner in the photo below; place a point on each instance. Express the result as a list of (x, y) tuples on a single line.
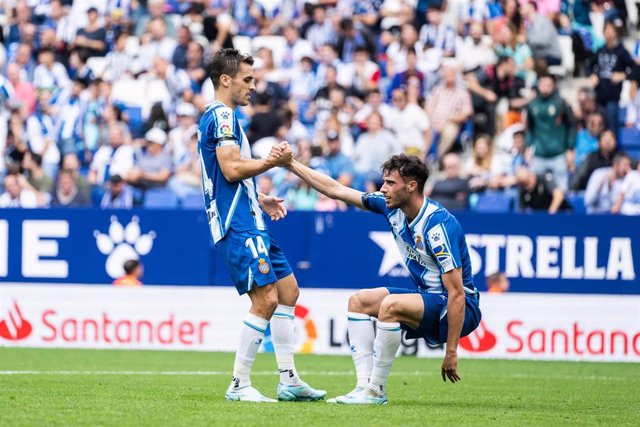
[(516, 326)]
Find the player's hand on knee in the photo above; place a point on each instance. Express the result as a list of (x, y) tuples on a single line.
[(450, 368)]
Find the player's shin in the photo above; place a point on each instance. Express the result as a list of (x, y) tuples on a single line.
[(251, 334), (282, 330), (361, 336), (385, 348)]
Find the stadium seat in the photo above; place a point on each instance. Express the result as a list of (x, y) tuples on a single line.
[(494, 202), (629, 139), (160, 198), (193, 202), (576, 200), (97, 193), (134, 120), (634, 153)]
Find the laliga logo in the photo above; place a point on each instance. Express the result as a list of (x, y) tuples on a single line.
[(479, 341), (16, 327), (302, 314), (122, 244)]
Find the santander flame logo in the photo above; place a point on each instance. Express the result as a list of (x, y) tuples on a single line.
[(479, 341), (14, 326)]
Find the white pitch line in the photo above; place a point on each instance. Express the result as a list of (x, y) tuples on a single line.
[(306, 373)]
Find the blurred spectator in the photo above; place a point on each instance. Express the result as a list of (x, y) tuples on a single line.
[(604, 185), (153, 168), (542, 36), (71, 163), (196, 67), (410, 125), (401, 79), (133, 271), (451, 190), (607, 146), (337, 164), (180, 135), (295, 48), (186, 177), (23, 90), (176, 81), (37, 180), (155, 44), (70, 120), (351, 38), (373, 148), (374, 103), (497, 283), (474, 51), (67, 193), (265, 122), (42, 135), (489, 86), (118, 194), (183, 38), (321, 30), (628, 202), (509, 44), (155, 9), (302, 86), (16, 195), (398, 50), (479, 164), (633, 109), (587, 139), (302, 197), (448, 108), (360, 76), (273, 91), (119, 62), (116, 158), (612, 64), (586, 106), (91, 39), (511, 155), (551, 133), (436, 34), (49, 74), (540, 192)]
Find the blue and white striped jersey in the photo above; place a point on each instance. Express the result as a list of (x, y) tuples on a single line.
[(431, 245), (228, 204)]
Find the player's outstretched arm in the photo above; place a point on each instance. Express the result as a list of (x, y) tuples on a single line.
[(236, 168), (452, 281), (327, 185)]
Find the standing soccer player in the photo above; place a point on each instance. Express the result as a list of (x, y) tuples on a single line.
[(234, 208), (443, 304)]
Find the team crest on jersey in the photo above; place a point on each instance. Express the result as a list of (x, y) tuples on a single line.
[(263, 267), (225, 130), (419, 242)]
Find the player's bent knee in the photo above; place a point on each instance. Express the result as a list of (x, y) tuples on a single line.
[(390, 309), (357, 303)]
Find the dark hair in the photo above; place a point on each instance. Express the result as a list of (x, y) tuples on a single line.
[(227, 61), (534, 5), (131, 265), (408, 167), (36, 158)]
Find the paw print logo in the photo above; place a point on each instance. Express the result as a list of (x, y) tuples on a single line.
[(121, 244)]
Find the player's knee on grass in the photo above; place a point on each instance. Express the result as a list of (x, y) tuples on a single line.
[(264, 301)]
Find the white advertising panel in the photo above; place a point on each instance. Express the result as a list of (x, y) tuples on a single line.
[(515, 326)]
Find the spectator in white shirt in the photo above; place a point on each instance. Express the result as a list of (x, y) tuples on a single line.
[(117, 158), (42, 134), (155, 43), (118, 61), (604, 185), (474, 51), (410, 125), (49, 74), (180, 135), (15, 195), (628, 202)]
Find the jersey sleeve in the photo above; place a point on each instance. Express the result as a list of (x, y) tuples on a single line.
[(375, 202), (444, 240), (224, 130)]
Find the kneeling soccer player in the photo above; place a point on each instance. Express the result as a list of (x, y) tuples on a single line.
[(443, 304)]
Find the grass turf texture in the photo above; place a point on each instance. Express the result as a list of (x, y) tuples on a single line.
[(492, 391)]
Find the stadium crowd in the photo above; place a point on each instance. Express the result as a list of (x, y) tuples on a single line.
[(100, 99)]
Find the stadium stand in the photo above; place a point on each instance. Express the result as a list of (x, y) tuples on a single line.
[(321, 68)]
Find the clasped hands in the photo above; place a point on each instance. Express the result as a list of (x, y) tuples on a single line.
[(281, 154)]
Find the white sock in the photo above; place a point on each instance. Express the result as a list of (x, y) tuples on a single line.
[(385, 348), (283, 332), (251, 334), (361, 336)]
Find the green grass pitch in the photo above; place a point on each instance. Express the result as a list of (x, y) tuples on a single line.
[(119, 388)]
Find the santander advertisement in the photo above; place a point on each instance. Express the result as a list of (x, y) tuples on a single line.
[(514, 326)]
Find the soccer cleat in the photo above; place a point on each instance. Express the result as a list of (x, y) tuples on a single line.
[(365, 396), (299, 393), (346, 396), (247, 394)]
